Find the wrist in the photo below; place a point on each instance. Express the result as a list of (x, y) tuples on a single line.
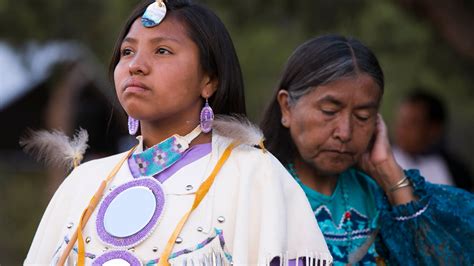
[(401, 195), (404, 182), (399, 191), (389, 175)]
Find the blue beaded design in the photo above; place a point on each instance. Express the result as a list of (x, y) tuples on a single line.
[(218, 233), (159, 157)]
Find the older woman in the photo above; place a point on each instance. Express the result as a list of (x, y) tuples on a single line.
[(323, 124)]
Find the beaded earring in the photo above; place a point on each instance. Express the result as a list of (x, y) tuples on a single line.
[(133, 125), (207, 117)]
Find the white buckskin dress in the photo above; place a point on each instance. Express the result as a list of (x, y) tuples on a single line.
[(254, 210)]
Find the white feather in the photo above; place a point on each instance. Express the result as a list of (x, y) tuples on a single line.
[(238, 128), (55, 148)]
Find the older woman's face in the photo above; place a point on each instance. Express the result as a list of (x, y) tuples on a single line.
[(332, 126)]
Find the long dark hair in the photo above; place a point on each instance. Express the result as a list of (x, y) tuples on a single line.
[(316, 62), (216, 51)]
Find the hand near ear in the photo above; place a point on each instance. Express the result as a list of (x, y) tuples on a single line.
[(380, 164)]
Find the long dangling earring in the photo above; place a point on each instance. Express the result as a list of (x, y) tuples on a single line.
[(207, 117), (133, 125)]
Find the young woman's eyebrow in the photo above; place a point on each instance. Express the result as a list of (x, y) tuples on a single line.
[(164, 38), (153, 40)]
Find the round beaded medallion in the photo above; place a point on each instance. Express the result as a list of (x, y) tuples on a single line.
[(116, 258), (130, 212)]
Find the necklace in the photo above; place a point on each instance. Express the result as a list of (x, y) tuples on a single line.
[(347, 224)]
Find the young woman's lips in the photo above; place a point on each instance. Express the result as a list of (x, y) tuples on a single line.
[(135, 87)]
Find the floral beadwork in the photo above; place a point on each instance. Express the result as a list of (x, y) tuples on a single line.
[(159, 157)]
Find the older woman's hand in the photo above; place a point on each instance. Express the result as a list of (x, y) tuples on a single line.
[(380, 164)]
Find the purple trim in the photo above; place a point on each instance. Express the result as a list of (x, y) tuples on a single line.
[(117, 254), (133, 166), (130, 241), (189, 250), (291, 262), (222, 241), (193, 154)]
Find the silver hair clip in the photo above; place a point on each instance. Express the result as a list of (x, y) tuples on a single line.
[(154, 14)]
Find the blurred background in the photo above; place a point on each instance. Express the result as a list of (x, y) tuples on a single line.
[(53, 75)]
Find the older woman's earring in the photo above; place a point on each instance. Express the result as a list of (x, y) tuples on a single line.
[(207, 117), (133, 125)]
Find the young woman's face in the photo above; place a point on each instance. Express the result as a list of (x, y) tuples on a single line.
[(158, 76), (332, 125)]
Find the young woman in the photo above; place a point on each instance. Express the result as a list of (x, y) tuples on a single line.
[(193, 191), (323, 124)]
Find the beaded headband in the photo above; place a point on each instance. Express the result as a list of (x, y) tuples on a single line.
[(154, 14)]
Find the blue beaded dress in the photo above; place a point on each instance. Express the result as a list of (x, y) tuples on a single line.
[(359, 223)]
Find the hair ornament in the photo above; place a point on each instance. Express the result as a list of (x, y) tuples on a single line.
[(154, 14)]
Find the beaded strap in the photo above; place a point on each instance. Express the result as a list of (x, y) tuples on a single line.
[(86, 214), (200, 193)]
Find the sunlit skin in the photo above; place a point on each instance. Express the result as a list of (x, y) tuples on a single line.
[(159, 80), (337, 126)]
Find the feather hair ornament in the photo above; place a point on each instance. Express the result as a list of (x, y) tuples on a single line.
[(55, 148), (239, 128)]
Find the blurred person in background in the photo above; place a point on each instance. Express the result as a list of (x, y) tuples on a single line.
[(420, 130), (323, 124)]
